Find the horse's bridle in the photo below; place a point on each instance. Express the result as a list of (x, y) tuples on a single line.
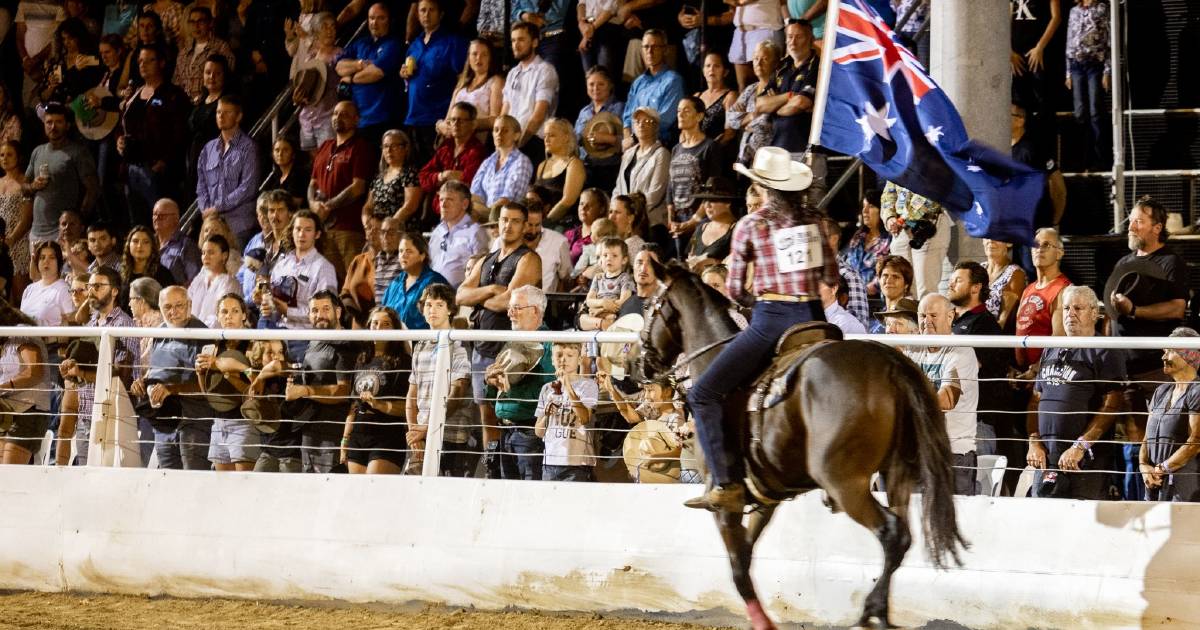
[(654, 310)]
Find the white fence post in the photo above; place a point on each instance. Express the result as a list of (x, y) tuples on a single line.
[(438, 399), (102, 402)]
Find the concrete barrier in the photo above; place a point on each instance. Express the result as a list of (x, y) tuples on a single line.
[(579, 547)]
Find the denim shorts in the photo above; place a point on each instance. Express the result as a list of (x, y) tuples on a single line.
[(233, 442)]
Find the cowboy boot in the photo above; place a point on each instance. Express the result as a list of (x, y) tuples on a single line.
[(730, 497)]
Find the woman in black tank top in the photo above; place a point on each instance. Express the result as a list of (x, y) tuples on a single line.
[(561, 173)]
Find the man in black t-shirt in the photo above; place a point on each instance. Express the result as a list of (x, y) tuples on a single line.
[(1076, 392), (1148, 299), (968, 289), (324, 384)]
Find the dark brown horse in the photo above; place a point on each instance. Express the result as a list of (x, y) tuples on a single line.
[(854, 408)]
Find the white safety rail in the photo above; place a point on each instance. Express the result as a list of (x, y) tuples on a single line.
[(111, 445)]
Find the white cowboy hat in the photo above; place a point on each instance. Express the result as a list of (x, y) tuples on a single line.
[(623, 353), (774, 167)]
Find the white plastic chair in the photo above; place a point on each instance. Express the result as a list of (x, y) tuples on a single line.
[(43, 451), (1024, 483), (990, 474)]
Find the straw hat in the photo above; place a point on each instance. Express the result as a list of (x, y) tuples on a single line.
[(774, 167), (650, 436), (93, 124), (623, 353), (222, 396), (609, 122)]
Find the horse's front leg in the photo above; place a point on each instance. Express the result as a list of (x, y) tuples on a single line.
[(739, 544)]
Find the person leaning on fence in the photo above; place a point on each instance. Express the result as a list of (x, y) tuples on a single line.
[(488, 288), (1075, 399), (170, 392), (564, 415), (270, 363), (1167, 457), (373, 440), (323, 386), (225, 375), (25, 385), (514, 381), (437, 305), (103, 287)]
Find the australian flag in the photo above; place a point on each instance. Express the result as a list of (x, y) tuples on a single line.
[(881, 106)]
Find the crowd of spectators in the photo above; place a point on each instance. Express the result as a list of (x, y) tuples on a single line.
[(452, 166)]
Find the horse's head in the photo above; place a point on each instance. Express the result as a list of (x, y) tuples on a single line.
[(680, 291)]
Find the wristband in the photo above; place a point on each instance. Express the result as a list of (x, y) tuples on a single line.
[(345, 440), (1132, 311), (1166, 468), (1083, 446)]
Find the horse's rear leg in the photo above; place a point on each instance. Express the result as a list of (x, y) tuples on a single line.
[(739, 544), (856, 500)]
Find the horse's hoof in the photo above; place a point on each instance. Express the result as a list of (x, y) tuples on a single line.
[(874, 622), (830, 503), (758, 617)]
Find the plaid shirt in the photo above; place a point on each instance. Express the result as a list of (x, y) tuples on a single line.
[(126, 351), (786, 260), (457, 427), (857, 306), (189, 66)]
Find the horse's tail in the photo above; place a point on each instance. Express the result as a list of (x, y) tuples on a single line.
[(923, 456)]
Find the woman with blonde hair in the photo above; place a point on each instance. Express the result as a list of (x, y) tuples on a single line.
[(562, 172), (481, 85)]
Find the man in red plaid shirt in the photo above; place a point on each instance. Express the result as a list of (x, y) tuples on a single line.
[(787, 243)]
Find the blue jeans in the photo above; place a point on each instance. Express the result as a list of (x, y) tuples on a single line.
[(566, 473), (1133, 487), (145, 189), (1086, 92), (521, 454), (185, 448), (739, 363)]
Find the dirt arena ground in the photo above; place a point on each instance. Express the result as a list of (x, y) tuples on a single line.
[(46, 611)]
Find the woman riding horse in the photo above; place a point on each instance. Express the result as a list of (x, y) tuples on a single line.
[(787, 244), (847, 410)]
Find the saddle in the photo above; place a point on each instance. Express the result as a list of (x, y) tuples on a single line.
[(770, 389)]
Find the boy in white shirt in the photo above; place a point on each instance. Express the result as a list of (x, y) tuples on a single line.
[(564, 411)]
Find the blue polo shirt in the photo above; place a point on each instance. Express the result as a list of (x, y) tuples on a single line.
[(377, 102), (404, 301), (660, 91), (438, 63)]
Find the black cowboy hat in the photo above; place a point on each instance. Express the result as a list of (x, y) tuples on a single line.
[(1139, 279), (716, 189)]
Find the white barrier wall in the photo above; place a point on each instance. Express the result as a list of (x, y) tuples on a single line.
[(579, 547)]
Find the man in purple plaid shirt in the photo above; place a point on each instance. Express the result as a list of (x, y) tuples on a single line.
[(789, 247)]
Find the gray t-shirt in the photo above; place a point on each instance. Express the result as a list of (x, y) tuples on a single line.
[(70, 167)]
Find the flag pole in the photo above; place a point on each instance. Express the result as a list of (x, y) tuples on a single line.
[(829, 40)]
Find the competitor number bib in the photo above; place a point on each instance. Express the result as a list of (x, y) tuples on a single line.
[(798, 248)]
